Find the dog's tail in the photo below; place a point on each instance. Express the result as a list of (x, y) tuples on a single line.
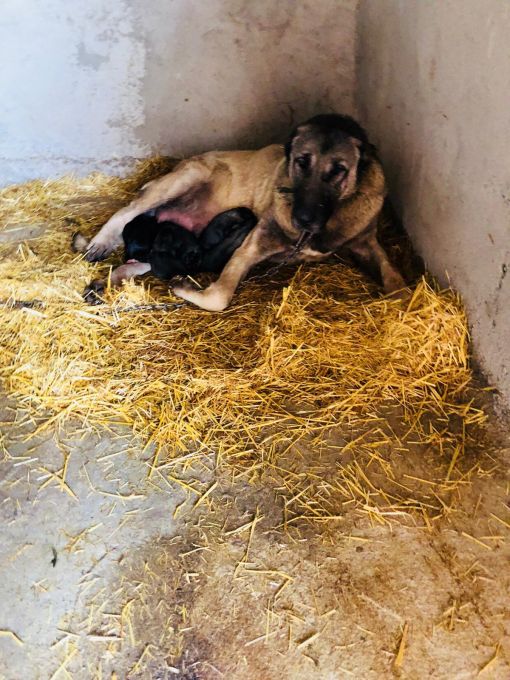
[(79, 242)]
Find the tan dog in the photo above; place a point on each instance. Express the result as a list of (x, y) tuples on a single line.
[(323, 191)]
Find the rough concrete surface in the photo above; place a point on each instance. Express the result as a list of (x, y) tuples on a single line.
[(109, 571), (432, 89), (94, 85), (46, 562)]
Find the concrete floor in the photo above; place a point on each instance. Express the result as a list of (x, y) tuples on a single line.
[(115, 574), (61, 540)]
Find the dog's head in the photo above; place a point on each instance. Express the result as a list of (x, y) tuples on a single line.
[(325, 156)]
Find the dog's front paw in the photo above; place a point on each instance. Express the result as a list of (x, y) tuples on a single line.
[(94, 291), (99, 248), (393, 283), (211, 299)]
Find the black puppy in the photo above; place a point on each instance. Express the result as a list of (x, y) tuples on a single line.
[(166, 249), (172, 250)]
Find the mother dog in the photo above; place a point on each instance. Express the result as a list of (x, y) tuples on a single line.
[(320, 193)]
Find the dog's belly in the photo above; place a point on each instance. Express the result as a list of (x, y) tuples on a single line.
[(194, 221), (192, 211)]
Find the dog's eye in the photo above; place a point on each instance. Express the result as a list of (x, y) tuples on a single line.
[(302, 162), (338, 169)]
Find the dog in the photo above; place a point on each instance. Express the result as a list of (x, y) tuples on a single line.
[(319, 194), (167, 250)]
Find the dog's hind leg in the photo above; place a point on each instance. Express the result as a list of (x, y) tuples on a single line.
[(186, 176), (94, 291)]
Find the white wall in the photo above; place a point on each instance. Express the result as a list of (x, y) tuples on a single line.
[(434, 93), (93, 85)]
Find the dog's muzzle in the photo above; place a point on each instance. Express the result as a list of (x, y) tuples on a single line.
[(311, 217), (306, 222)]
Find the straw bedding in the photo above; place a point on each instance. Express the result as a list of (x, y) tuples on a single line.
[(298, 353)]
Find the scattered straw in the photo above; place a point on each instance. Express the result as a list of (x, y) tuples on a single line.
[(206, 494), (13, 636), (62, 667), (241, 564), (59, 479), (476, 540), (399, 658), (307, 640), (501, 521), (298, 354), (491, 661)]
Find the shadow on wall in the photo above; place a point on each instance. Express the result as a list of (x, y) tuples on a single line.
[(237, 73)]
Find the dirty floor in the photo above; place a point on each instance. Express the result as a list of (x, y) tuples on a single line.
[(109, 571)]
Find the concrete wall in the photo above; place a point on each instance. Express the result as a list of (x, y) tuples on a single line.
[(433, 90), (93, 85)]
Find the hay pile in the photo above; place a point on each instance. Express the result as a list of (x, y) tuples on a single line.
[(297, 354)]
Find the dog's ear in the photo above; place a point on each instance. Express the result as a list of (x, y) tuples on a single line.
[(288, 144), (367, 151), (295, 132)]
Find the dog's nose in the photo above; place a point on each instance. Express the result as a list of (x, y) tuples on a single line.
[(304, 219)]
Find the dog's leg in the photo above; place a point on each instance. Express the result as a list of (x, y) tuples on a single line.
[(258, 246), (161, 190), (371, 256), (93, 292)]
